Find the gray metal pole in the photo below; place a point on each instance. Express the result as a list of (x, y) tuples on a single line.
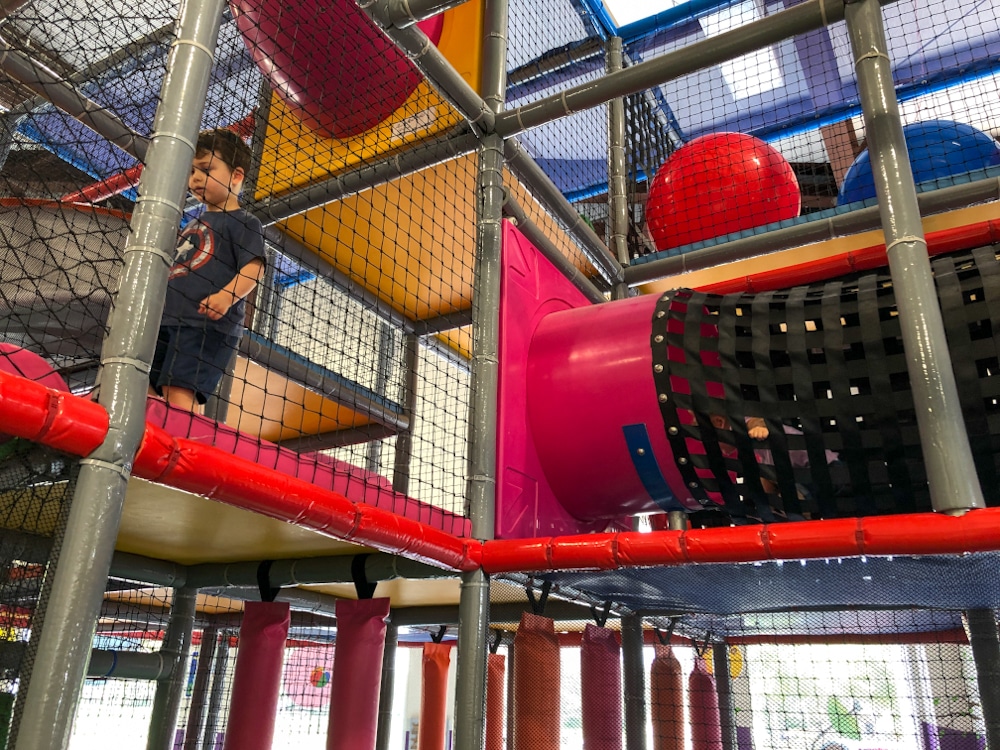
[(63, 95), (272, 210), (634, 683), (403, 13), (121, 665), (981, 625), (474, 598), (80, 574), (215, 698), (951, 472), (435, 66), (373, 453), (199, 691), (548, 249), (383, 735), (724, 689), (545, 192), (812, 14), (170, 690), (617, 200), (861, 220), (379, 566), (404, 440)]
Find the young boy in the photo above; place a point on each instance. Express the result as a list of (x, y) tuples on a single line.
[(220, 259)]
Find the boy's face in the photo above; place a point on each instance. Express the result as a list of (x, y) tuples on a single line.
[(214, 183)]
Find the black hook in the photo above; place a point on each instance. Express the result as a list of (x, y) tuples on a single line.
[(362, 586), (707, 644), (268, 593), (439, 636), (538, 607), (495, 641), (664, 636), (601, 617)]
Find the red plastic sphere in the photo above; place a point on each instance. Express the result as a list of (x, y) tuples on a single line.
[(718, 184)]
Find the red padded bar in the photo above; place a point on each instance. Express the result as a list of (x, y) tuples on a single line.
[(59, 420)]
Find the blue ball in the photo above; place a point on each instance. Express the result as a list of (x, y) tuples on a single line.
[(937, 148)]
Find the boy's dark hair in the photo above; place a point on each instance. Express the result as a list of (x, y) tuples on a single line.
[(229, 146)]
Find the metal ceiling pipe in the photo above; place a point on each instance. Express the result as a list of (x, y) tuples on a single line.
[(120, 665), (62, 94), (377, 566), (454, 144), (798, 19), (435, 66), (404, 13)]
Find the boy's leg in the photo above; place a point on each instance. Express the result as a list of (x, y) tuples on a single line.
[(182, 398)]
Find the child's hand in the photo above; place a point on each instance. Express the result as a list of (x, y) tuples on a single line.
[(757, 428), (214, 306)]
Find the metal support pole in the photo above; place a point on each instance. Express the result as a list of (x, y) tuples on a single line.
[(387, 688), (951, 472), (809, 15), (981, 626), (404, 440), (552, 253), (48, 84), (724, 689), (170, 691), (373, 453), (617, 200), (474, 598), (634, 682), (403, 13), (199, 691), (840, 225), (92, 527), (545, 192), (218, 692), (440, 73)]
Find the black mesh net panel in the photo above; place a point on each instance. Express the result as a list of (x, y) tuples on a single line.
[(748, 676), (821, 373), (36, 485)]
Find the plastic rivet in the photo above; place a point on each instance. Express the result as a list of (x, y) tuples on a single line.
[(658, 339), (682, 461), (672, 430), (663, 398), (692, 485), (657, 368), (660, 314), (640, 452)]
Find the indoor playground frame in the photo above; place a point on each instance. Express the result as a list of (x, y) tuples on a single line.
[(535, 416)]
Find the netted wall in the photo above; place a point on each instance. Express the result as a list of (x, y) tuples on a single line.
[(357, 330), (833, 679)]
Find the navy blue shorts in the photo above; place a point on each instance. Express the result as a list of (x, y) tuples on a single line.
[(191, 358)]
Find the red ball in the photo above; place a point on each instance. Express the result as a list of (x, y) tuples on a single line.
[(718, 184)]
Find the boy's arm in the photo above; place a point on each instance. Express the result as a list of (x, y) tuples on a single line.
[(245, 281)]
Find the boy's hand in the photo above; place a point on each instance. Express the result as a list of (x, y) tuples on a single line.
[(757, 428), (214, 306)]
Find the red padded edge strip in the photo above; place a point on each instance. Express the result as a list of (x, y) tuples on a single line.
[(913, 534), (54, 418), (78, 426)]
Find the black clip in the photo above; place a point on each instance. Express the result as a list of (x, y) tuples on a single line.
[(538, 607), (495, 641), (268, 593), (363, 588), (439, 636), (664, 637), (601, 617), (703, 649)]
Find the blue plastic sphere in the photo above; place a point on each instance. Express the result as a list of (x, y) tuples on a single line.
[(937, 148)]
